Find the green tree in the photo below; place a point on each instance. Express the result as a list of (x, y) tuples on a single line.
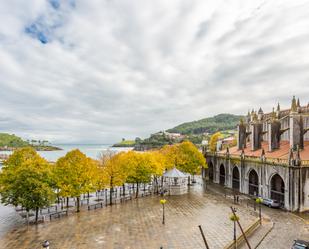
[(25, 180), (75, 174)]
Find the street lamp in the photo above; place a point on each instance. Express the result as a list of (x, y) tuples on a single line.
[(259, 201), (45, 244), (163, 201), (234, 218)]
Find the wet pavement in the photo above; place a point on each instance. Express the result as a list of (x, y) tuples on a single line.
[(137, 224), (287, 226)]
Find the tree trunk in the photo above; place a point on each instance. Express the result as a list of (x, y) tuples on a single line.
[(67, 202), (77, 204), (123, 190), (36, 214), (137, 185), (27, 215), (156, 185), (111, 190)]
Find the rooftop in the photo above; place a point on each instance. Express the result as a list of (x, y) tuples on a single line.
[(282, 153)]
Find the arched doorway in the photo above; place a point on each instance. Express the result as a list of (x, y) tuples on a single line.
[(222, 174), (253, 183), (236, 177), (277, 189), (211, 171)]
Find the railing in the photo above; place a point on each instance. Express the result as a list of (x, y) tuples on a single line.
[(274, 161)]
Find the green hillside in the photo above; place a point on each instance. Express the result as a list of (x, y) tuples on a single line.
[(220, 122), (11, 141)]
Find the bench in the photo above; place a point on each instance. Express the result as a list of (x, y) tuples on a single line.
[(58, 214), (95, 206)]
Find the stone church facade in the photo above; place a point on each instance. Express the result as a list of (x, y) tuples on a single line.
[(271, 158)]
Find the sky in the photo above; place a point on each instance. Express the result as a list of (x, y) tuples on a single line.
[(96, 71)]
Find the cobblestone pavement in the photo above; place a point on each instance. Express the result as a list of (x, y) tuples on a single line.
[(137, 224), (287, 226)]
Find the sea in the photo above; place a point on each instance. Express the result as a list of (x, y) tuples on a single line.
[(91, 150), (8, 216)]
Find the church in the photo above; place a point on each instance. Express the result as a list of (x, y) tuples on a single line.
[(271, 158)]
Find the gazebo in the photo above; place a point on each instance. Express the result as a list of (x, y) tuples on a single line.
[(175, 182)]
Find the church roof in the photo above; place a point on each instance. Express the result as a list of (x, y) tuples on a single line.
[(174, 173), (282, 153)]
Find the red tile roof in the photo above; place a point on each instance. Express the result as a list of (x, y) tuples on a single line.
[(283, 152)]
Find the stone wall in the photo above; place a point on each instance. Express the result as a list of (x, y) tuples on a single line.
[(295, 179)]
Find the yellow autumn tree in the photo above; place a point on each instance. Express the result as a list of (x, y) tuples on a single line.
[(75, 174), (26, 180), (170, 154), (213, 141), (157, 162), (185, 156), (114, 170), (140, 168)]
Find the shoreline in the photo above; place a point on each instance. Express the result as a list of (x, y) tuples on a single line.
[(37, 148)]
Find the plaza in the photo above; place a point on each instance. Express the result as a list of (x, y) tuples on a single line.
[(138, 224)]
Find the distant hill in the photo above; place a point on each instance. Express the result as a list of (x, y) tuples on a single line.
[(220, 122), (11, 142), (192, 131)]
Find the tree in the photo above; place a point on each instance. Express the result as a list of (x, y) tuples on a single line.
[(140, 168), (158, 165), (184, 156), (75, 174), (25, 180), (113, 170), (213, 141), (190, 159)]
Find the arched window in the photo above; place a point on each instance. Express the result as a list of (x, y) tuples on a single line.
[(222, 174), (236, 177), (253, 183), (277, 188)]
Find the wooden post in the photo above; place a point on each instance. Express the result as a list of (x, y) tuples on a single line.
[(242, 231), (204, 238)]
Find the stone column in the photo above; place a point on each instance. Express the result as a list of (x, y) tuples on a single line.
[(256, 135), (296, 131), (241, 138), (274, 135)]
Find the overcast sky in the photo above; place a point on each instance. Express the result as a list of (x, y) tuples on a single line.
[(98, 70)]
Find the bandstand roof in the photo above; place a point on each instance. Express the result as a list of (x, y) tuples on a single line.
[(173, 173)]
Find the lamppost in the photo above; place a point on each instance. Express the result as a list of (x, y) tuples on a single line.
[(259, 201), (163, 201), (234, 218), (45, 244)]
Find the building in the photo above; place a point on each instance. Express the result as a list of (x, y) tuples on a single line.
[(271, 158)]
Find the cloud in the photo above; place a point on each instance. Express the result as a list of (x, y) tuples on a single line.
[(97, 71)]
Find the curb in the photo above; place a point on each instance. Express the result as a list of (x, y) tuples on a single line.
[(265, 235), (248, 231)]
